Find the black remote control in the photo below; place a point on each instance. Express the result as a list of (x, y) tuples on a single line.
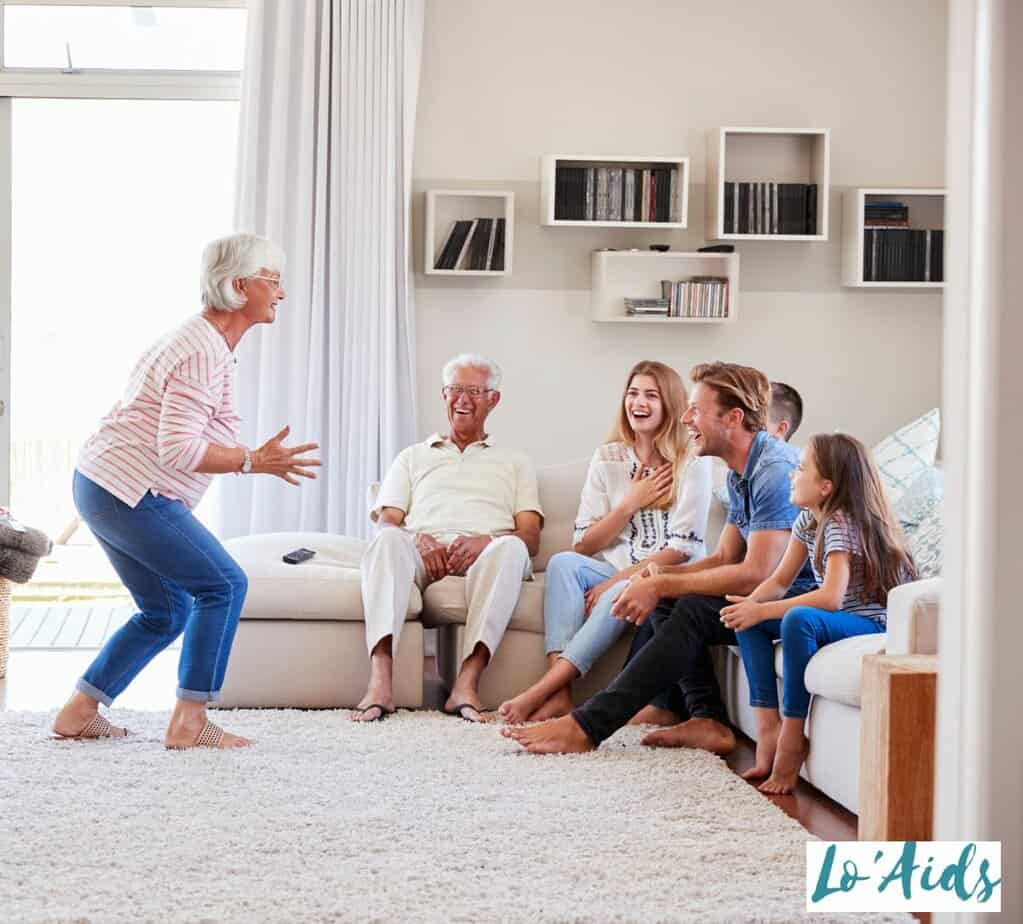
[(298, 556), (717, 248)]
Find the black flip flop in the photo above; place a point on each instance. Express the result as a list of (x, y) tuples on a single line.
[(459, 711), (384, 713)]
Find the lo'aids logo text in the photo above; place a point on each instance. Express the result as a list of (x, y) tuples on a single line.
[(904, 876)]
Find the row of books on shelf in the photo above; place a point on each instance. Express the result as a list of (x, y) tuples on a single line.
[(473, 244), (903, 255), (886, 214), (770, 208), (647, 194), (698, 297)]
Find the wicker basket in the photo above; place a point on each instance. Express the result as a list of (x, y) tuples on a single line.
[(5, 624)]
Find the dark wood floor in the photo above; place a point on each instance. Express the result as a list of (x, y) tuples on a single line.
[(42, 679)]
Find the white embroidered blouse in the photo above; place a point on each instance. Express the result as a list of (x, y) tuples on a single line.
[(682, 527)]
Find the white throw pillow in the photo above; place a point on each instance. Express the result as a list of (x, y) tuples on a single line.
[(905, 455)]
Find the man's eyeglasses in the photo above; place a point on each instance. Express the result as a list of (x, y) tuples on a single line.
[(473, 391)]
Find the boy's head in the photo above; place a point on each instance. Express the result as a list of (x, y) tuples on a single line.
[(786, 411)]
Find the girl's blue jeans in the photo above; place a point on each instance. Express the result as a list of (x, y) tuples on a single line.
[(581, 640), (803, 632), (181, 579)]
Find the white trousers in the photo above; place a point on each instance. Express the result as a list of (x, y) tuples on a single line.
[(492, 584)]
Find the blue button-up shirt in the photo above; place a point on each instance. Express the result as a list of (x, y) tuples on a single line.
[(759, 497)]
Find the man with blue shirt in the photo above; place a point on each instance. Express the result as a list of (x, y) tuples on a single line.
[(727, 416)]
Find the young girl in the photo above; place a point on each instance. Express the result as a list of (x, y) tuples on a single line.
[(646, 499), (854, 544)]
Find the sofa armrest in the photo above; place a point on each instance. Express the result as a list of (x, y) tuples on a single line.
[(913, 617)]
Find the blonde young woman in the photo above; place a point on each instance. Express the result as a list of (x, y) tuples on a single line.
[(646, 499)]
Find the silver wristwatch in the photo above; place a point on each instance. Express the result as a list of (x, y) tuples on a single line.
[(246, 468)]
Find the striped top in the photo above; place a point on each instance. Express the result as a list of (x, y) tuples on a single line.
[(177, 402), (841, 536)]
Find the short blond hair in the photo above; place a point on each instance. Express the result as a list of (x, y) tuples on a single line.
[(736, 386)]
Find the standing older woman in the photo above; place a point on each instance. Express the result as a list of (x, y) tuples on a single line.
[(143, 471)]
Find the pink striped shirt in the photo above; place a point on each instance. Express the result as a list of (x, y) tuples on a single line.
[(178, 401)]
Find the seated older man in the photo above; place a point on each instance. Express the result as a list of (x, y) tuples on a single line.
[(456, 504)]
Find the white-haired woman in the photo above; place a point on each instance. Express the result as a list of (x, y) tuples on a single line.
[(142, 472)]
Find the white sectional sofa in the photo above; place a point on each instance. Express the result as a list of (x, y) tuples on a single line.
[(301, 641)]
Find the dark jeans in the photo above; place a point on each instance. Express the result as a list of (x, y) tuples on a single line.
[(671, 698), (678, 654)]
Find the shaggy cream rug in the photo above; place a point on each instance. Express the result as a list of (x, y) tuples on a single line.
[(418, 818)]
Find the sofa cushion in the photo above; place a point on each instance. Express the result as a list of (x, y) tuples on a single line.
[(560, 487), (836, 671), (325, 587), (444, 604)]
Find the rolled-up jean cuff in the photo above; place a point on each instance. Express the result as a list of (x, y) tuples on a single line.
[(787, 714), (197, 696), (556, 648), (583, 669), (763, 703), (83, 686)]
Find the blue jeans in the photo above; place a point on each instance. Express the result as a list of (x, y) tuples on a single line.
[(181, 579), (803, 631), (580, 640)]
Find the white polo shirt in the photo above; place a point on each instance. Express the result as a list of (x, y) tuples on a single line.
[(448, 493)]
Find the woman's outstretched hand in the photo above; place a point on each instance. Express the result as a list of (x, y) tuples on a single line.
[(274, 458)]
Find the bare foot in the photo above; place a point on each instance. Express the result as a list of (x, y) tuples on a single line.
[(705, 734), (655, 715), (183, 734), (517, 710), (785, 775), (558, 736), (558, 705), (79, 711), (767, 746)]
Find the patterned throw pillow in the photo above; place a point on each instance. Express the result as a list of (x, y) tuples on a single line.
[(925, 544), (920, 498), (905, 455)]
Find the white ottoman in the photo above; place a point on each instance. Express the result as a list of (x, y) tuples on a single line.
[(301, 642)]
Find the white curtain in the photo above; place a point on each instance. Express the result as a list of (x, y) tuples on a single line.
[(325, 170)]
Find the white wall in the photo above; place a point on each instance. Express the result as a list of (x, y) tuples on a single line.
[(504, 83)]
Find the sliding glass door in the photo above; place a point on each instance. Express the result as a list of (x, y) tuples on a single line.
[(111, 181)]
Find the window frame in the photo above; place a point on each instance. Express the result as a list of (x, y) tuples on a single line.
[(84, 83), (106, 83)]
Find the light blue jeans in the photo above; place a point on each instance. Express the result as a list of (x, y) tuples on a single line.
[(181, 579), (803, 631), (580, 640)]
